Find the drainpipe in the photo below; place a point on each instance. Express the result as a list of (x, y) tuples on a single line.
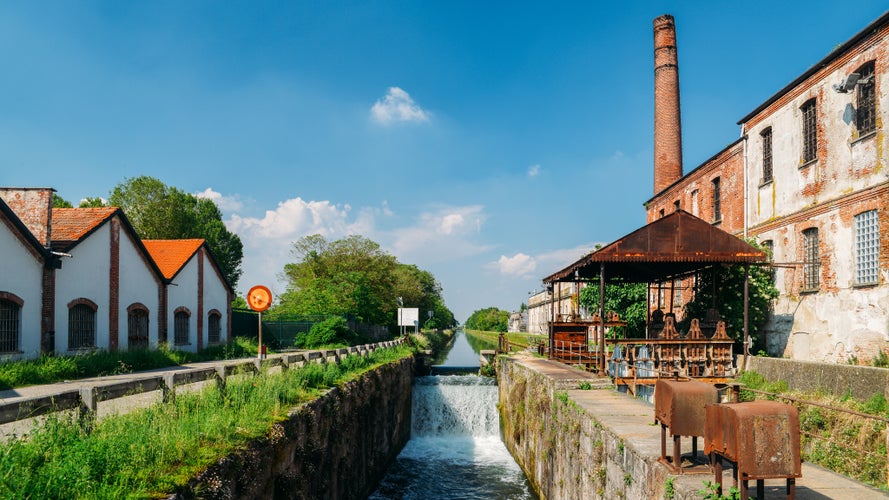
[(746, 190)]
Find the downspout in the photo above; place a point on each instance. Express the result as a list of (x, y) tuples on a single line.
[(746, 190)]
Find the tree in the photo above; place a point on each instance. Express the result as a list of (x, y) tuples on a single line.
[(490, 319), (158, 211), (92, 203), (59, 202), (626, 299), (349, 276), (722, 288), (354, 276)]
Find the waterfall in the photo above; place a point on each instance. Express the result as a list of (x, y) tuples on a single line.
[(455, 449), (457, 405)]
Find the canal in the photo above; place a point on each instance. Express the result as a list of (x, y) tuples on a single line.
[(455, 450)]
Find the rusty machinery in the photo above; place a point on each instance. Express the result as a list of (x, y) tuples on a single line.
[(761, 439), (680, 406)]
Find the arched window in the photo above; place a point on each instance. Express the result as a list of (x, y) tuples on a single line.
[(82, 324), (214, 326), (866, 112), (137, 327), (10, 322), (181, 320)]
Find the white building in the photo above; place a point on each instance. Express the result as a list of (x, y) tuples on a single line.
[(21, 287), (198, 299)]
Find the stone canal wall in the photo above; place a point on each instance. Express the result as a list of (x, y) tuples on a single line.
[(565, 451), (337, 446)]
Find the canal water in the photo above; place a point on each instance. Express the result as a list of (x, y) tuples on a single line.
[(455, 450)]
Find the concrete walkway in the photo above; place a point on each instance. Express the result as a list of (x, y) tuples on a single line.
[(633, 420)]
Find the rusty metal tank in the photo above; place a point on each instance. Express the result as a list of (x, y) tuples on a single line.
[(761, 437), (680, 405)]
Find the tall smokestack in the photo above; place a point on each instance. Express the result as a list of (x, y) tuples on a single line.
[(667, 125)]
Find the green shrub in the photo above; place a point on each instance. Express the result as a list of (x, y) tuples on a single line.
[(332, 332)]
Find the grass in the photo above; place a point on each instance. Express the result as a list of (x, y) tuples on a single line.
[(52, 369), (148, 453), (834, 439), (517, 340)]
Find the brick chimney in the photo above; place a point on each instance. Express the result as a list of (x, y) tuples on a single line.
[(667, 124), (33, 206)]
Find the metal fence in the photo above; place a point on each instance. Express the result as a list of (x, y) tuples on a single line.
[(280, 331)]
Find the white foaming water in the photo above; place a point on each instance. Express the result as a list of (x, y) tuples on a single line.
[(455, 449)]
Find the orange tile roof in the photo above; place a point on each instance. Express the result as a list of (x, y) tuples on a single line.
[(171, 255), (70, 225)]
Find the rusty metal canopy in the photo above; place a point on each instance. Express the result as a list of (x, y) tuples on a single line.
[(674, 245)]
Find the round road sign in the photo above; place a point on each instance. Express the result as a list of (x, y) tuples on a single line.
[(259, 298)]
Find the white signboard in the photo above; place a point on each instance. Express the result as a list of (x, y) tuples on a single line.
[(408, 316)]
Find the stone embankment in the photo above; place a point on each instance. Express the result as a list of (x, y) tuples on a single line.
[(574, 441), (337, 446)]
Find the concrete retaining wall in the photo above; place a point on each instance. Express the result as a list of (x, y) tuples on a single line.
[(337, 446), (861, 382), (564, 450)]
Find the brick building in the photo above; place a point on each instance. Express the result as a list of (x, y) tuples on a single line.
[(807, 177)]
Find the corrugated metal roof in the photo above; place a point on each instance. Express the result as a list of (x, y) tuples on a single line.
[(674, 245)]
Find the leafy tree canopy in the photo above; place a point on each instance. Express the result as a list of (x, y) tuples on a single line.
[(158, 211), (626, 299), (92, 203), (490, 319), (59, 202), (723, 290), (354, 276)]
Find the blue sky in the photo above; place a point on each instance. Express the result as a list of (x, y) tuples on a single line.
[(490, 143)]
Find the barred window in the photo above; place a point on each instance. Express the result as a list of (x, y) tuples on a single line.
[(810, 131), (766, 155), (811, 260), (866, 113), (867, 248), (81, 327), (180, 327), (137, 328), (717, 203), (214, 327), (677, 294), (10, 325)]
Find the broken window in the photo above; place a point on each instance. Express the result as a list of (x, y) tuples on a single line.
[(866, 112)]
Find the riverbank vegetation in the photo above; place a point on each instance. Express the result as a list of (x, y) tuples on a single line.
[(848, 443), (488, 319), (517, 340), (149, 453), (355, 277)]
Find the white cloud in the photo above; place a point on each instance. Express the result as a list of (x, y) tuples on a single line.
[(518, 265), (522, 265), (225, 203), (397, 106), (269, 239), (439, 235), (533, 170)]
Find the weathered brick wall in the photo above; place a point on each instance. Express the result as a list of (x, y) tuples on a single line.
[(33, 206)]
